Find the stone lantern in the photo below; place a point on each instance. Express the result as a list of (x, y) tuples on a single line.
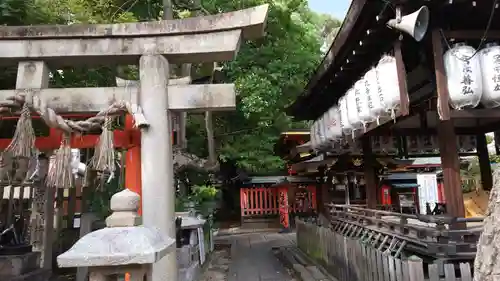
[(124, 246), (191, 254)]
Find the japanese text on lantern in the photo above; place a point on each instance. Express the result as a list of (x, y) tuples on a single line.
[(467, 79), (379, 89), (496, 70), (357, 94), (367, 86)]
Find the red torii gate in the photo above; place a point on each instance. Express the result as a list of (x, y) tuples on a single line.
[(129, 138)]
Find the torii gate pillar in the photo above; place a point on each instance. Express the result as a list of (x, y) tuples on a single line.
[(156, 157)]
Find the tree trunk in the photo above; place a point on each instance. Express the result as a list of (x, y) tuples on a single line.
[(487, 260)]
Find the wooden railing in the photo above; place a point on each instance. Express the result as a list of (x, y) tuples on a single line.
[(263, 201), (440, 236), (353, 259)]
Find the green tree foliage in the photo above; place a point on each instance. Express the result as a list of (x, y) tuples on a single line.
[(268, 73)]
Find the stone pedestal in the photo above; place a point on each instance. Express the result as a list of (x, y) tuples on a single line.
[(25, 267)]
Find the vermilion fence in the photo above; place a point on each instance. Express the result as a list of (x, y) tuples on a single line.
[(263, 201)]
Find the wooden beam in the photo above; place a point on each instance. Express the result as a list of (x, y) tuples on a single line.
[(484, 113), (370, 173), (441, 83), (401, 71), (471, 34), (99, 51), (84, 100)]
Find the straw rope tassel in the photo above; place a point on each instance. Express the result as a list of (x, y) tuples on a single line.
[(23, 142), (104, 154), (60, 171)]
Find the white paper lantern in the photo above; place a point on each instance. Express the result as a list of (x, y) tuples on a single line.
[(314, 136), (489, 59), (463, 71), (332, 122), (352, 110), (375, 95), (321, 133), (388, 82), (344, 118), (362, 89)]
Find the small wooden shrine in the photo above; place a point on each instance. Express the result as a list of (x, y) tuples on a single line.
[(285, 196)]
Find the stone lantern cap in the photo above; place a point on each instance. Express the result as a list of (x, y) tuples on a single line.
[(122, 242), (189, 221)]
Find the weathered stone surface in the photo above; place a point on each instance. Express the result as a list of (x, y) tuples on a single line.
[(190, 273), (124, 205), (18, 264), (200, 98), (82, 100), (121, 243), (189, 222), (117, 246), (36, 275), (191, 48), (487, 262), (251, 21), (187, 255)]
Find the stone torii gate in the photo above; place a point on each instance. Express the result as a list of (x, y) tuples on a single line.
[(37, 50)]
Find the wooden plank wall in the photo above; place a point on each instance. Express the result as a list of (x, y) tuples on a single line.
[(348, 259), (17, 201)]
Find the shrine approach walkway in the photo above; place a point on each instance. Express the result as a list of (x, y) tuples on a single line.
[(252, 258)]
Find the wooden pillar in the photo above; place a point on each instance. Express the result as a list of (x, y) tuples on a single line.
[(446, 135), (158, 192), (370, 173), (133, 162), (450, 163), (484, 162)]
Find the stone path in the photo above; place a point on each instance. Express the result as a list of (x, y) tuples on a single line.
[(252, 258)]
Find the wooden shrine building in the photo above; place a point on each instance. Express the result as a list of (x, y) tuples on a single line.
[(431, 112)]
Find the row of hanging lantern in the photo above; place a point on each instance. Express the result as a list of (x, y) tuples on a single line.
[(473, 76), (372, 97)]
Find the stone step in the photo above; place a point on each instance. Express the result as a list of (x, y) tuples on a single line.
[(14, 265)]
